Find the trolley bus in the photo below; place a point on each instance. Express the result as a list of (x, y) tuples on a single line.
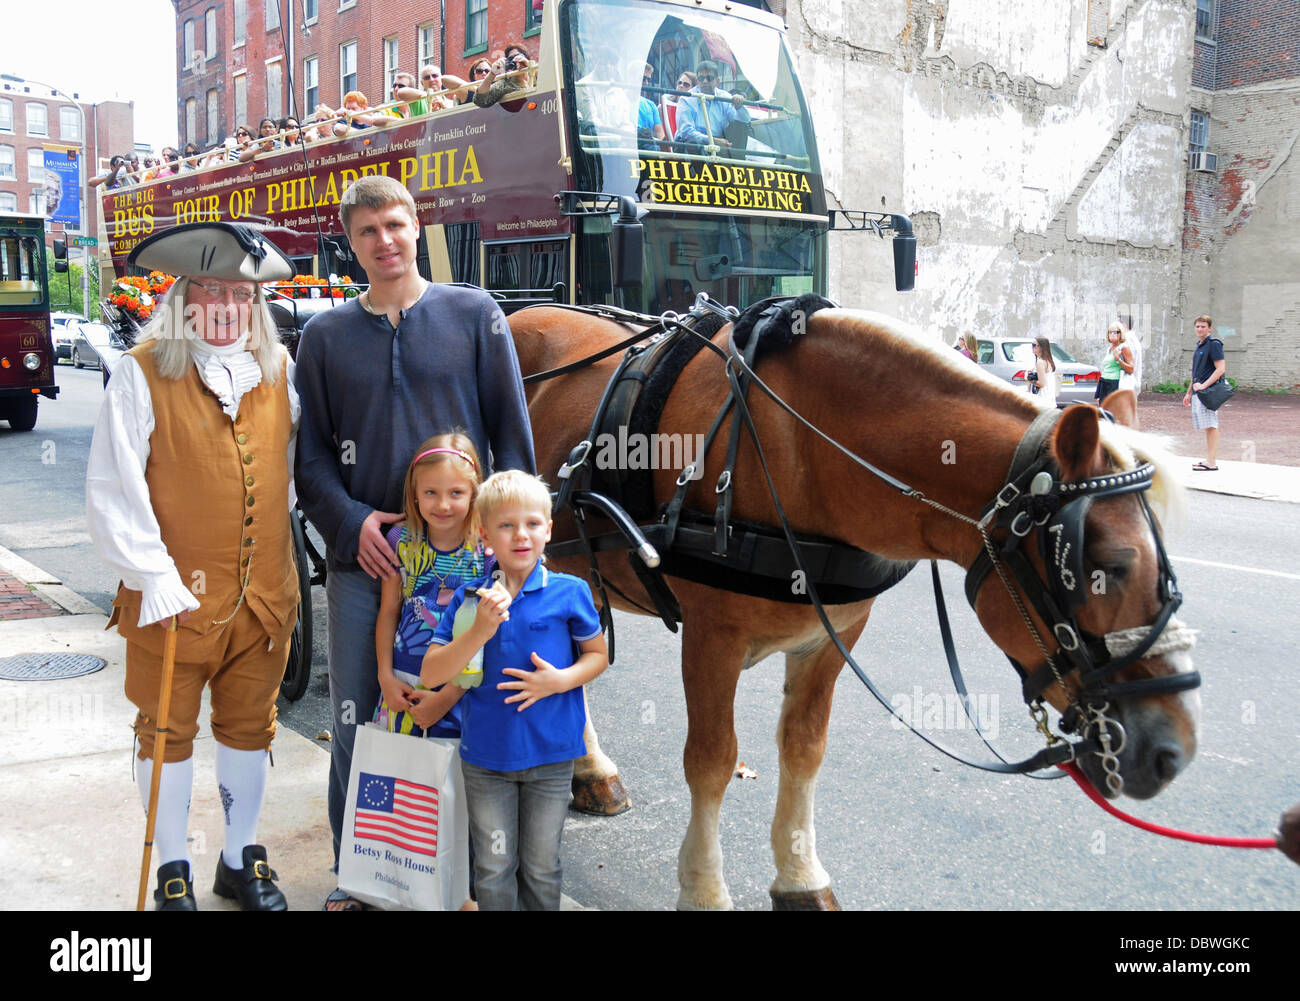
[(26, 348), (554, 193)]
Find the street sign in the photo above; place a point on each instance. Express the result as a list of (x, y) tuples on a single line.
[(85, 241)]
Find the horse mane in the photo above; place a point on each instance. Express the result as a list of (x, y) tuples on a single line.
[(932, 361)]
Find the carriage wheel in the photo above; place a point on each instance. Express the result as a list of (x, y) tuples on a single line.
[(297, 672)]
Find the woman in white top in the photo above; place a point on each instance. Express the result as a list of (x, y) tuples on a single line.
[(1048, 384)]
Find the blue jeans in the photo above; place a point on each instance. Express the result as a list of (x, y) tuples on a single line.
[(516, 823), (353, 599)]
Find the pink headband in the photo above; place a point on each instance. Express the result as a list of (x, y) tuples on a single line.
[(449, 451)]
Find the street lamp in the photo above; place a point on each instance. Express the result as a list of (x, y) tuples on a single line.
[(81, 179)]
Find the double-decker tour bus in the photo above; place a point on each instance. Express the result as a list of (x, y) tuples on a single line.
[(564, 190), (26, 348)]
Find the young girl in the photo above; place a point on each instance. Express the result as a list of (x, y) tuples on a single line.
[(439, 550)]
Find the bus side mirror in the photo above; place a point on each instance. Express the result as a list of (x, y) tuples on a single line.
[(626, 246), (904, 254), (60, 256)]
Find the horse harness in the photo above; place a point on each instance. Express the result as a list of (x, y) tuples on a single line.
[(1034, 496)]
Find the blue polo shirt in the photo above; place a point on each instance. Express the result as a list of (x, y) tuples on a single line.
[(551, 613)]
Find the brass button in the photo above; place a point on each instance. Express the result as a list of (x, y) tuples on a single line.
[(250, 502), (248, 481), (241, 438), (248, 458), (244, 562), (248, 520), (248, 542)]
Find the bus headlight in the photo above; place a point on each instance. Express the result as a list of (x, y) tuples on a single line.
[(31, 361)]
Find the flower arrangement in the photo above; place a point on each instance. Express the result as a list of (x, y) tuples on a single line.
[(159, 283), (132, 295), (311, 287)]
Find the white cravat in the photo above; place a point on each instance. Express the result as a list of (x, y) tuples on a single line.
[(229, 370)]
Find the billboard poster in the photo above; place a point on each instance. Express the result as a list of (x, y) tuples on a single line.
[(63, 187)]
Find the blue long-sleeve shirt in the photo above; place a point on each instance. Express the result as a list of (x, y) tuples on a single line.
[(372, 393), (721, 112)]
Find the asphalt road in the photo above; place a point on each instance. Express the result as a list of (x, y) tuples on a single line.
[(898, 826)]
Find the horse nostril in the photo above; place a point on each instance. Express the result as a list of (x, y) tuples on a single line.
[(1169, 761)]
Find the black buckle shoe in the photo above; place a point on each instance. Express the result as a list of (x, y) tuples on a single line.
[(175, 888), (252, 885)]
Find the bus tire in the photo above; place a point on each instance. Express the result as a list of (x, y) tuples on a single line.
[(22, 414), (297, 672)]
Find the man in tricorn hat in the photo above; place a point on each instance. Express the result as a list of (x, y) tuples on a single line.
[(187, 497)]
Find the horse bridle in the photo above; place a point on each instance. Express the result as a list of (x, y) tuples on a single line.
[(1033, 496)]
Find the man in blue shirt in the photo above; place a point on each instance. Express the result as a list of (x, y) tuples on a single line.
[(376, 377), (1208, 366), (721, 108)]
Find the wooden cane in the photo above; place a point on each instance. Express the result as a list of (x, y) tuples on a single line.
[(159, 746)]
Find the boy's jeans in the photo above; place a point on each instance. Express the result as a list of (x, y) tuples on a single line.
[(516, 821)]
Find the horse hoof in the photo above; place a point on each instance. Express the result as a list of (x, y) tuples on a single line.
[(805, 900), (603, 797)]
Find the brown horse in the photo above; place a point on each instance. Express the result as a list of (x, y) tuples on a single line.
[(923, 414)]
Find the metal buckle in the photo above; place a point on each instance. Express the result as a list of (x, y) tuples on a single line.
[(688, 474), (724, 482), (1066, 636), (567, 469), (262, 871), (169, 894), (1007, 495), (1028, 524)]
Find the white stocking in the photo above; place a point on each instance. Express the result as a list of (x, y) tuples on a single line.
[(241, 780), (172, 818)]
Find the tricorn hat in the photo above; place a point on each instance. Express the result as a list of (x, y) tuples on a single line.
[(214, 249)]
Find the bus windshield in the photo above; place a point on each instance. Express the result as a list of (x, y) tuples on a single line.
[(22, 277), (722, 87)]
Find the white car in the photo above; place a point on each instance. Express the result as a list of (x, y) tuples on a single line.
[(63, 334)]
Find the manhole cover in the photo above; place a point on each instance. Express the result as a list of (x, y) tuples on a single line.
[(49, 666)]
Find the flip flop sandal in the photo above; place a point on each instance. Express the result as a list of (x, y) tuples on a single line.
[(349, 903), (1201, 467)]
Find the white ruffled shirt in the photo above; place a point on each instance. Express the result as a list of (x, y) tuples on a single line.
[(119, 512)]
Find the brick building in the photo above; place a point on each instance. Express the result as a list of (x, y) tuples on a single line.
[(1241, 260), (31, 118)]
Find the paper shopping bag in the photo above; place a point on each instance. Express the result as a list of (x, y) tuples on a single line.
[(405, 842)]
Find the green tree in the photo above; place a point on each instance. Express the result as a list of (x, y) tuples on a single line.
[(65, 289)]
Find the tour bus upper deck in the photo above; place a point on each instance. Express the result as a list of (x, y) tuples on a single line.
[(740, 221)]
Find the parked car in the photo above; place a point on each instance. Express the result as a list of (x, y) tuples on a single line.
[(92, 340), (62, 333), (1012, 358)]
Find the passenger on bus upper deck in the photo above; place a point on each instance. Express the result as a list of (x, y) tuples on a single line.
[(117, 175), (431, 81), (267, 129), (720, 110), (649, 123), (323, 113), (404, 90), (292, 131), (190, 155), (508, 74), (357, 117), (242, 141)]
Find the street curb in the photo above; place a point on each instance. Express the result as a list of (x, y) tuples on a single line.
[(46, 585)]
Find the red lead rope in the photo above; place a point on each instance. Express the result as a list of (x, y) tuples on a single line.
[(1205, 839)]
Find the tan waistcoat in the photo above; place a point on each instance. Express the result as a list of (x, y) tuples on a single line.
[(220, 492)]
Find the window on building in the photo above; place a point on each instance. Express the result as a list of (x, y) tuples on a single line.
[(213, 115), (189, 45), (70, 124), (391, 65), (475, 24), (311, 80), (427, 46), (241, 100), (274, 90), (273, 15), (1204, 18), (347, 68), (6, 115), (310, 11), (38, 123), (191, 121), (532, 15), (240, 15), (36, 166), (36, 202), (345, 4), (1200, 132), (8, 201), (7, 171), (210, 33)]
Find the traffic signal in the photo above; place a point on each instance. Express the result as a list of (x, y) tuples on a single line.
[(60, 256)]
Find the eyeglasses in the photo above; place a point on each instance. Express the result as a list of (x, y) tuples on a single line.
[(480, 71), (683, 82), (219, 290), (705, 76), (243, 132), (431, 76)]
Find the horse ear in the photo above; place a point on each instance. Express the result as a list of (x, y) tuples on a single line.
[(1077, 443), (1123, 405)]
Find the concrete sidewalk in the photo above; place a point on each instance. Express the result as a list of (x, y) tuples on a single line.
[(74, 825)]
